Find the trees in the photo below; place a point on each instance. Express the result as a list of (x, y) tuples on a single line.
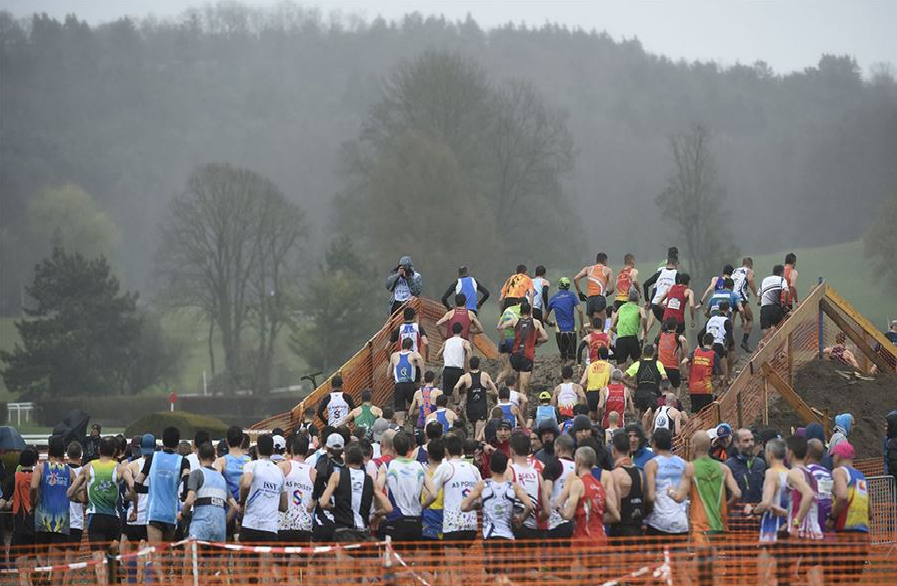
[(83, 336), (880, 242), (691, 203), (339, 308), (228, 248)]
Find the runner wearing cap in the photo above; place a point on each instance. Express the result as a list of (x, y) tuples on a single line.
[(544, 411), (280, 448), (563, 304), (720, 446), (850, 510)]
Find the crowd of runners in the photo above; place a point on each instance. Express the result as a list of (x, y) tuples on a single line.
[(461, 456)]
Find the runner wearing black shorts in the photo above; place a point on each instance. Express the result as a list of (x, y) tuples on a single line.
[(402, 395), (102, 530), (627, 347)]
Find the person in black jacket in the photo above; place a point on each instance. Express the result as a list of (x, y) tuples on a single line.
[(92, 443), (890, 445), (749, 470)]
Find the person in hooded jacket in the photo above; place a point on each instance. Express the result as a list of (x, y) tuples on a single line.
[(890, 445), (843, 424), (547, 431), (638, 445), (403, 283)]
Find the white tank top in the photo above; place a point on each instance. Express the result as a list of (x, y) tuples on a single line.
[(498, 506), (262, 504), (666, 280), (530, 480), (668, 515), (337, 408), (141, 497), (76, 510), (405, 481), (567, 396), (298, 486), (457, 478), (716, 325), (538, 283), (453, 353), (514, 399), (739, 275), (662, 419), (554, 517)]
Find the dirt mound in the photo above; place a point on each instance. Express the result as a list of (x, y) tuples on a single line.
[(546, 374), (822, 384)]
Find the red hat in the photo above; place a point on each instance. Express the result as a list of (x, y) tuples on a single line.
[(844, 450)]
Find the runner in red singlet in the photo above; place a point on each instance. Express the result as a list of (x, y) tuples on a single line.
[(676, 299), (587, 501), (596, 340), (460, 314), (672, 348), (627, 279), (616, 399), (528, 333)]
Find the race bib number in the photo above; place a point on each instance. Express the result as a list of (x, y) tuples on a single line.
[(674, 303)]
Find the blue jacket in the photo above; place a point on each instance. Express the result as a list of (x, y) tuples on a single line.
[(749, 474)]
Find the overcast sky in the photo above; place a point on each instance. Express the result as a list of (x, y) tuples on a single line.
[(787, 34)]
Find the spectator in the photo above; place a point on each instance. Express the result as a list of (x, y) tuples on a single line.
[(722, 444), (638, 445), (892, 333), (92, 443), (890, 445), (403, 283), (747, 468), (843, 423)]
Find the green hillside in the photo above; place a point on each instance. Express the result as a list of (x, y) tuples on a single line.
[(845, 269)]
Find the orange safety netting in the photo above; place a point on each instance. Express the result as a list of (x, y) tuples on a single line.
[(726, 559), (367, 368)]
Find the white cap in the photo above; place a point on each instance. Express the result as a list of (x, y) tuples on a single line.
[(279, 443), (335, 441)]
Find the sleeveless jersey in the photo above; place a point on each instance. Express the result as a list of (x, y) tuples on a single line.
[(668, 515), (476, 394), (632, 506), (404, 371), (141, 496), (366, 419), (809, 528), (164, 478), (597, 340), (568, 467), (647, 377), (823, 491), (788, 296), (530, 480), (427, 406), (405, 481), (76, 510), (298, 486), (460, 478), (598, 375), (545, 413), (589, 516), (665, 280), (616, 401), (51, 512), (675, 303), (506, 413), (624, 283), (102, 487), (538, 302), (740, 276), (468, 286), (770, 523), (628, 320), (352, 499), (525, 338), (412, 331), (663, 420), (723, 295), (517, 286), (668, 350), (498, 506), (337, 408), (855, 516), (210, 507), (567, 399), (597, 280), (442, 418), (460, 316), (261, 512), (233, 471), (720, 283), (716, 325), (453, 353), (514, 399), (700, 374)]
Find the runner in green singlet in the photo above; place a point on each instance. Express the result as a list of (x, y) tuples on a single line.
[(365, 414), (629, 324)]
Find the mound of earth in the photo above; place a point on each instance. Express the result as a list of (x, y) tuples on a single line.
[(822, 384), (546, 374)]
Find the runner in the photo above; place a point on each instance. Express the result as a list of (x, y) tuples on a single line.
[(744, 287), (424, 400), (727, 294), (469, 287), (627, 279), (517, 289), (526, 471), (567, 394), (672, 348), (262, 495), (824, 481), (76, 508), (17, 494), (645, 377), (135, 527), (209, 502), (443, 415), (298, 483), (664, 278), (101, 478), (774, 506), (628, 490), (790, 275), (587, 501), (666, 416), (473, 388), (630, 326), (540, 293), (717, 283), (595, 339), (470, 325), (557, 472), (704, 484), (563, 303), (164, 471), (544, 411), (403, 283), (455, 352), (662, 473), (510, 412), (49, 484), (518, 399), (850, 516), (615, 398), (675, 300), (405, 480), (433, 516), (704, 371), (410, 329), (506, 340), (773, 293), (595, 380), (528, 333), (803, 515), (720, 326), (350, 494), (336, 405), (456, 478), (325, 467), (600, 283), (404, 367)]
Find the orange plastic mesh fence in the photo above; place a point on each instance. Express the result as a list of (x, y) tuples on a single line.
[(720, 560), (367, 368), (795, 343)]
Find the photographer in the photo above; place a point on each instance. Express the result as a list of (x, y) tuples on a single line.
[(403, 283)]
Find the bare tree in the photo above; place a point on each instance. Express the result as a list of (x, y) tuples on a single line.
[(692, 201), (226, 249)]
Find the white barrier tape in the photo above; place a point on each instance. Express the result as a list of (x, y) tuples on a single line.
[(399, 559), (105, 560), (290, 549), (636, 574)]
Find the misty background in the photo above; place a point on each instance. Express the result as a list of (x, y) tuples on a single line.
[(105, 117)]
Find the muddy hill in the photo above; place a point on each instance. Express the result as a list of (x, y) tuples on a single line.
[(828, 385)]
